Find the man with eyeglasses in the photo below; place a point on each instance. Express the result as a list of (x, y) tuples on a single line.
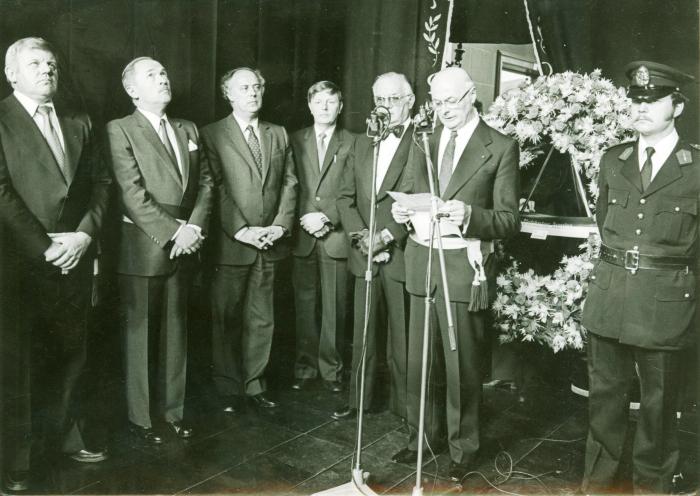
[(253, 170), (477, 176), (389, 303)]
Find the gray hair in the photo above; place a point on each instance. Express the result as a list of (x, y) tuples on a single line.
[(407, 88), (130, 69), (229, 74), (21, 44)]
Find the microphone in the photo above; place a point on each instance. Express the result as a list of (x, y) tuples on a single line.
[(424, 120), (378, 122)]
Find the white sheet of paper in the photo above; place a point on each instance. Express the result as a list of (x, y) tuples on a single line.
[(419, 203)]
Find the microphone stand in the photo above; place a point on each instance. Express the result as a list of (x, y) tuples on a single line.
[(424, 127)]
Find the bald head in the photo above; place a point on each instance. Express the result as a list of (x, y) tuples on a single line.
[(453, 96)]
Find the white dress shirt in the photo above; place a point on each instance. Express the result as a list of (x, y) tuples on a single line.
[(256, 129), (154, 120), (387, 150), (328, 133), (31, 106), (464, 134), (662, 150)]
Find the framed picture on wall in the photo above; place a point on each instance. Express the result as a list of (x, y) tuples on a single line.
[(511, 71)]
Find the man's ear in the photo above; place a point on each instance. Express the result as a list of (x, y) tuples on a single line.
[(10, 75), (131, 91), (678, 109)]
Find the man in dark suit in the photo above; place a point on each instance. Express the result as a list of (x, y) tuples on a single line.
[(321, 247), (253, 169), (477, 172), (165, 198), (393, 91), (54, 190), (641, 299)]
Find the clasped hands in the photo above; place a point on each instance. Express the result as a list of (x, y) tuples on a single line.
[(380, 249), (187, 241), (453, 211), (316, 224), (66, 249), (259, 237)]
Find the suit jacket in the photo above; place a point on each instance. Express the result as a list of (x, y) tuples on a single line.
[(652, 308), (35, 196), (318, 188), (486, 177), (245, 197), (355, 200), (152, 195)]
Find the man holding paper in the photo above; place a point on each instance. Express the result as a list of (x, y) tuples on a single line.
[(477, 175)]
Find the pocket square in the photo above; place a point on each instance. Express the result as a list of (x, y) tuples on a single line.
[(191, 146)]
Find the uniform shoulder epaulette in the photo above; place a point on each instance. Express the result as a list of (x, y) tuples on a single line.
[(694, 145), (626, 152)]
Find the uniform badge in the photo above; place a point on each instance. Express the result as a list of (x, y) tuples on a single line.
[(626, 153), (641, 76), (684, 157)]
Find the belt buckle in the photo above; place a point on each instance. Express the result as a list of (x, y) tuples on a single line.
[(632, 260)]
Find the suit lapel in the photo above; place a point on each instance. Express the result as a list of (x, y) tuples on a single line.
[(182, 144), (331, 150), (153, 139), (669, 172), (72, 142), (266, 147), (398, 162), (630, 168), (311, 151), (233, 130), (473, 157)]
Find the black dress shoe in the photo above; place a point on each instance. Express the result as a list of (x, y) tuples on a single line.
[(145, 434), (16, 480), (302, 383), (88, 456), (406, 456), (260, 401), (333, 386), (345, 413), (458, 471), (179, 429)]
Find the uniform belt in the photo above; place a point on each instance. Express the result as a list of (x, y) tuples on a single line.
[(633, 260)]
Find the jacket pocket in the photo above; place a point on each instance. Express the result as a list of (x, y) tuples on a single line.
[(674, 309), (676, 220), (617, 201)]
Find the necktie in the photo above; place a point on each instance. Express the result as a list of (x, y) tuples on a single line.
[(397, 130), (646, 168), (321, 149), (51, 135), (254, 146), (165, 139), (447, 163)]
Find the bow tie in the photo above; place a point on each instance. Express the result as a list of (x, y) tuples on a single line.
[(396, 130)]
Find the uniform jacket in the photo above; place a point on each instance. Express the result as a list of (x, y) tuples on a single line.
[(486, 177), (319, 187), (245, 198), (651, 308), (35, 196), (355, 199), (152, 195)]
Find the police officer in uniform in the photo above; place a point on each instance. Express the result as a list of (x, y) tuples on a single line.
[(641, 298)]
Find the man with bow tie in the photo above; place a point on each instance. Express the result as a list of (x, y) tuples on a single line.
[(321, 246), (389, 303), (54, 190), (642, 295), (165, 193)]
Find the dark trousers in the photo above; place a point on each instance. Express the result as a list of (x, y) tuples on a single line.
[(462, 377), (655, 452), (154, 323), (320, 290), (388, 310), (242, 326), (43, 354)]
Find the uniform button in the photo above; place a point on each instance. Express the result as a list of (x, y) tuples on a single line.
[(638, 232), (318, 198), (635, 247), (640, 215), (642, 201), (614, 200), (677, 209), (592, 277), (687, 295)]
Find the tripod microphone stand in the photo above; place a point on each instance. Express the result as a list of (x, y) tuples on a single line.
[(377, 129), (423, 126)]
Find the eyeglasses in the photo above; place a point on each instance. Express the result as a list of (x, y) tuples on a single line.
[(449, 102), (388, 101)]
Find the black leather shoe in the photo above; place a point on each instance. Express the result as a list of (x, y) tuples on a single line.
[(180, 430), (302, 383), (458, 471), (406, 456), (333, 386), (87, 456), (260, 401), (345, 413), (16, 480), (145, 434)]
